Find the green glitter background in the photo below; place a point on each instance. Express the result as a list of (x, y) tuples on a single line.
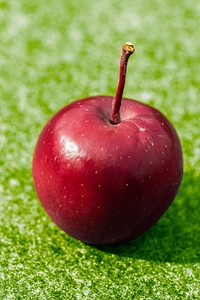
[(52, 52)]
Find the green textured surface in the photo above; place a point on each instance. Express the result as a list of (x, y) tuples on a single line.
[(52, 52)]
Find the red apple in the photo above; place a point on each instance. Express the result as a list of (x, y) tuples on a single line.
[(106, 172)]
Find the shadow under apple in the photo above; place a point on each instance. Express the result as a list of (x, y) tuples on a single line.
[(176, 236)]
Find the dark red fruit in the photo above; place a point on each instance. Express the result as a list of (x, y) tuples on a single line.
[(105, 174)]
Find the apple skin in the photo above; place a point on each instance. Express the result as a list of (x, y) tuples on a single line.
[(104, 183)]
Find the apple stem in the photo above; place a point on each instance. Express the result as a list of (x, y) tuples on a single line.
[(127, 50)]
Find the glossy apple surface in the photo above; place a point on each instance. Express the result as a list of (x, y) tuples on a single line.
[(102, 182)]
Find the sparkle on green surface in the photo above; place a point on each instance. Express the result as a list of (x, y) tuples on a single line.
[(52, 52)]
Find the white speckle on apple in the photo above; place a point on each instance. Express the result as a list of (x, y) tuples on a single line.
[(126, 184), (152, 143), (129, 156), (86, 121), (150, 176), (102, 149), (163, 161), (65, 196), (142, 129), (81, 184), (99, 185), (76, 211), (82, 196), (120, 157), (117, 147), (150, 162), (96, 172), (68, 165)]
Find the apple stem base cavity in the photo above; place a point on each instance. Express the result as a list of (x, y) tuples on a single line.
[(106, 169)]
